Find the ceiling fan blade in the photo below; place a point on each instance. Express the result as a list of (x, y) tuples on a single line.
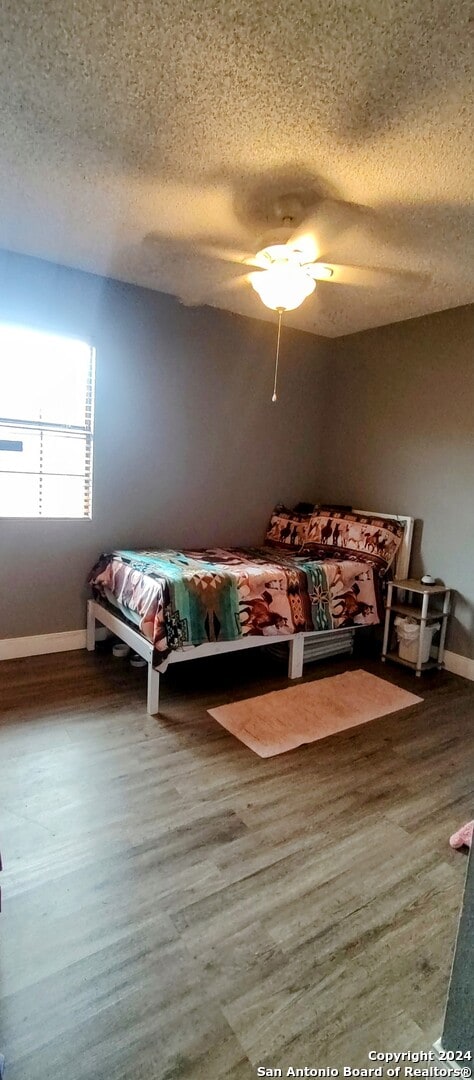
[(319, 231), (320, 271), (376, 277), (229, 255), (202, 246)]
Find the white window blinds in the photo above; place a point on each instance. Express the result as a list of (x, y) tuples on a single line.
[(46, 424)]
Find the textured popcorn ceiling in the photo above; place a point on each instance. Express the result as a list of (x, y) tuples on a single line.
[(136, 134)]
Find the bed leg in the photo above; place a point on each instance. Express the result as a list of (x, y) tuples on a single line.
[(153, 691), (90, 631), (295, 662)]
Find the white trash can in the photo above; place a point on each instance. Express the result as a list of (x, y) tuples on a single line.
[(408, 635)]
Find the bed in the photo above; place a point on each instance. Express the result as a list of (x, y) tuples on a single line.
[(316, 574)]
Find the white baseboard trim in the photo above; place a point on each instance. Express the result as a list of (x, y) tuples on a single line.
[(459, 665), (40, 644), (13, 648)]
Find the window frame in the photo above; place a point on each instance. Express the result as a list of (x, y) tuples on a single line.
[(86, 431)]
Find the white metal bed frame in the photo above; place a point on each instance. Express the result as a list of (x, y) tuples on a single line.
[(97, 613)]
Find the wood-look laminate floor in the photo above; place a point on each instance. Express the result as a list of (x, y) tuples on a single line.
[(176, 907)]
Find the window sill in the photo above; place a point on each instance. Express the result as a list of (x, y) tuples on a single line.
[(77, 521)]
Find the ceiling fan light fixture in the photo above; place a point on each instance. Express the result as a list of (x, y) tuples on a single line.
[(320, 272), (282, 287), (277, 255)]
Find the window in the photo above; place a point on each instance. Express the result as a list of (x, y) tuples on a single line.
[(46, 424)]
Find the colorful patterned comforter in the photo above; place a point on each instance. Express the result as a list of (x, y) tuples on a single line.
[(179, 598), (191, 597)]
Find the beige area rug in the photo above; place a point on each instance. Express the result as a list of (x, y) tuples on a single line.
[(280, 721)]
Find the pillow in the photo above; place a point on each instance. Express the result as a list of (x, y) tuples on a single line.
[(287, 528), (333, 506), (309, 508), (375, 539)]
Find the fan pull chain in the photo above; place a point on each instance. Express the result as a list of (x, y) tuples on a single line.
[(274, 395)]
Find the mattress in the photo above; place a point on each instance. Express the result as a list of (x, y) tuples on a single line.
[(186, 598)]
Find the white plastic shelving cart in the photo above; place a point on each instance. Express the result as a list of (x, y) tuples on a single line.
[(422, 612)]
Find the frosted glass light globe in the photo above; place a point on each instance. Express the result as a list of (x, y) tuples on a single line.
[(282, 288)]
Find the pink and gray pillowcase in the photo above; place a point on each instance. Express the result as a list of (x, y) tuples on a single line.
[(325, 533)]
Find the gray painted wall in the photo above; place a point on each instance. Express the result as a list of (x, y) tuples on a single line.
[(399, 407), (189, 449)]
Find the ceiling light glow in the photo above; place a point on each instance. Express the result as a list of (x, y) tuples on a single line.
[(282, 287)]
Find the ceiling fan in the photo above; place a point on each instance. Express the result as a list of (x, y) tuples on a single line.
[(289, 263), (296, 254), (293, 256)]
